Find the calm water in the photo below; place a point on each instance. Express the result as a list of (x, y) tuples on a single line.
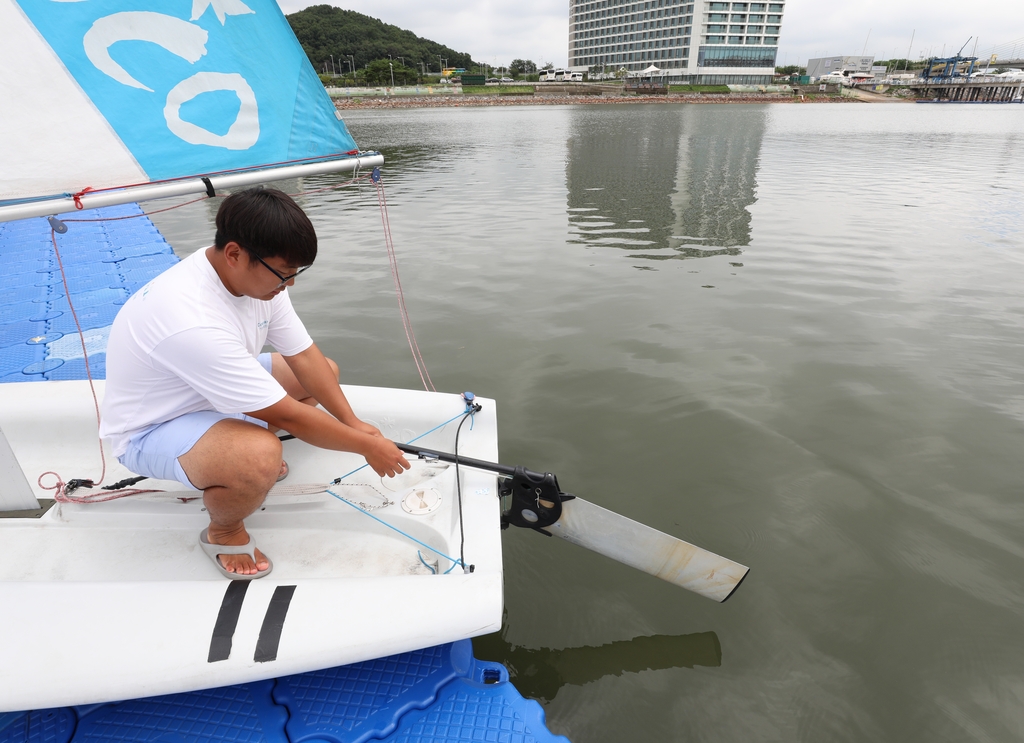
[(793, 335)]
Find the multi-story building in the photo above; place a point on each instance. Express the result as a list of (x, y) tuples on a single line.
[(701, 42)]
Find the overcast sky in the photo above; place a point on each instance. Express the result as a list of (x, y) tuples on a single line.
[(498, 31)]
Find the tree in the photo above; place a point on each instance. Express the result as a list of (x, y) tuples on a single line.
[(522, 67), (354, 40), (902, 64), (790, 70), (379, 71)]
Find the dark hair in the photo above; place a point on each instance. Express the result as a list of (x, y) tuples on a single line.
[(267, 223)]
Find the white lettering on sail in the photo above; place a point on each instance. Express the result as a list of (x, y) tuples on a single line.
[(179, 37), (242, 134), (222, 8)]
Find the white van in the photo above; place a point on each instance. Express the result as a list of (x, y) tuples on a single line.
[(574, 77)]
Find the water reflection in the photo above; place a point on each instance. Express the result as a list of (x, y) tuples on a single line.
[(673, 181), (540, 673)]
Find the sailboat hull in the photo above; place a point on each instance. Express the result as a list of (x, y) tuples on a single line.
[(132, 606)]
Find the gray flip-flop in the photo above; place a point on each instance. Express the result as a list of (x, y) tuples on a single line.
[(232, 549)]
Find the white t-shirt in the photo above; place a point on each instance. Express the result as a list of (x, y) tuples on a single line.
[(184, 343)]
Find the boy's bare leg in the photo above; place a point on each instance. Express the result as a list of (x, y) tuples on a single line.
[(235, 464)]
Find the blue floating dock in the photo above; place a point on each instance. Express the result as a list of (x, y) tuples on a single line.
[(105, 261), (435, 695)]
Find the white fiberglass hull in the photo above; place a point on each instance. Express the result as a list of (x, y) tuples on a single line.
[(133, 607)]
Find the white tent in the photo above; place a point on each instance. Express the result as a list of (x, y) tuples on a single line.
[(651, 71)]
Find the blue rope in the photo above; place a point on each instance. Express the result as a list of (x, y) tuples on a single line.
[(453, 561), (442, 425), (429, 567), (410, 536)]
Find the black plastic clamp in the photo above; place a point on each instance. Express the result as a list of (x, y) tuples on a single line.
[(536, 500)]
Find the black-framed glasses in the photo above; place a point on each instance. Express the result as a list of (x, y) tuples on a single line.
[(284, 279)]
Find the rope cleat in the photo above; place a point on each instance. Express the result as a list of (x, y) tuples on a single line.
[(472, 406)]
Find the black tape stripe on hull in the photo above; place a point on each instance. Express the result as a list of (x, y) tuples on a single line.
[(227, 620), (273, 624)]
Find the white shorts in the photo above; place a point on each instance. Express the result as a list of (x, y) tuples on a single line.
[(154, 452)]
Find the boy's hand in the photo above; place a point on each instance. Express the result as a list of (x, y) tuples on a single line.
[(384, 457)]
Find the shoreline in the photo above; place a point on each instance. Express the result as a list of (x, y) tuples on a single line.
[(460, 101)]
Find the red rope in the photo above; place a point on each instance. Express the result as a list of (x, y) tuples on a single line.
[(85, 352), (143, 214), (78, 197), (60, 487), (61, 494), (417, 357), (349, 182)]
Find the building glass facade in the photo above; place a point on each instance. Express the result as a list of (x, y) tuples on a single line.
[(688, 40), (634, 35)]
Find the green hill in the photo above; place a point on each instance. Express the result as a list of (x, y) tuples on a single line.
[(324, 30)]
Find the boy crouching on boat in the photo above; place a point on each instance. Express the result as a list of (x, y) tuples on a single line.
[(189, 395)]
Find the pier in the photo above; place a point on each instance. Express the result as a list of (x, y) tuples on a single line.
[(990, 90)]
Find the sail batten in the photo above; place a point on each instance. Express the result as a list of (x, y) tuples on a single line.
[(110, 93)]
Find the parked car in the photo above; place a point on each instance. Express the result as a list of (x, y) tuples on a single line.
[(492, 80), (506, 80)]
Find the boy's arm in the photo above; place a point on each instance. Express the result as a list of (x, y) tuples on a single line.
[(316, 427), (342, 430), (314, 374)]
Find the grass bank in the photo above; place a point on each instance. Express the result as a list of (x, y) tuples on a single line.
[(497, 90), (699, 89)]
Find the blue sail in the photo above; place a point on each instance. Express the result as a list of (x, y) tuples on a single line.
[(182, 88)]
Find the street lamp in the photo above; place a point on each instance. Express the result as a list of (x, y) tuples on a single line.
[(332, 65), (392, 67), (439, 67)]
